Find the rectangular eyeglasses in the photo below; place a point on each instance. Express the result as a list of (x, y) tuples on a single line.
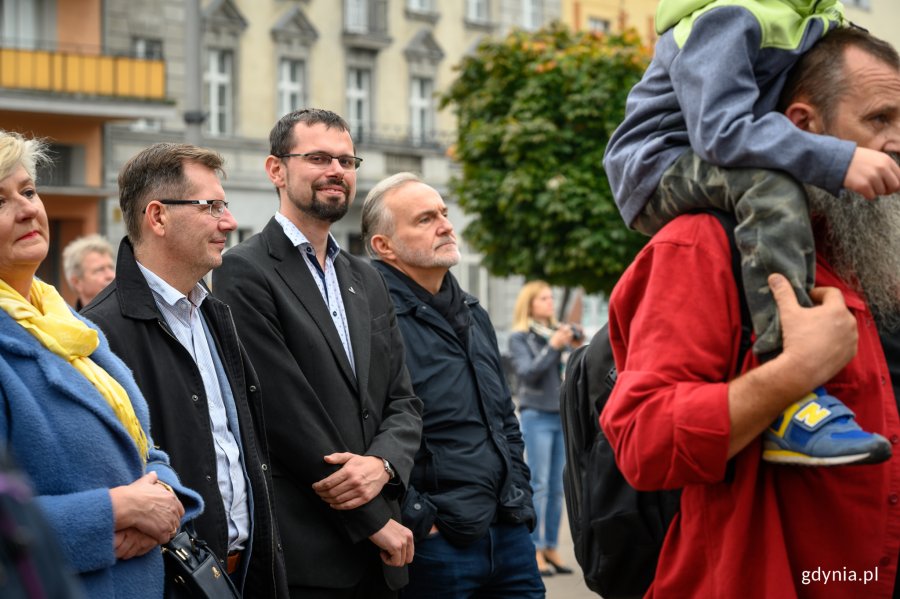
[(216, 207), (323, 160)]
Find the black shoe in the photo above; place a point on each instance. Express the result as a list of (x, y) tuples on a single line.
[(560, 569)]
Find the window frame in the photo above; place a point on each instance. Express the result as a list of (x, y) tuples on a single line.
[(290, 86), (219, 91), (359, 90), (421, 109), (356, 16), (474, 7)]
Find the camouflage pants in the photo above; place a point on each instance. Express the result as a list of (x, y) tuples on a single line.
[(773, 234)]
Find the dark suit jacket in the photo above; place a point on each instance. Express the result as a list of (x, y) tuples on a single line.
[(179, 415), (316, 405)]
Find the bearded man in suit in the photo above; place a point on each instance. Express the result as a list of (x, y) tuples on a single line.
[(343, 422)]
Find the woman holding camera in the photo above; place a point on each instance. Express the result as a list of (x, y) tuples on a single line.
[(537, 346)]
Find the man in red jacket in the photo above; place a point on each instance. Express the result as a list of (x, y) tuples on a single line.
[(745, 528)]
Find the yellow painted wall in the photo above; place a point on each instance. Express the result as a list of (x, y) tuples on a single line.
[(621, 14), (882, 19)]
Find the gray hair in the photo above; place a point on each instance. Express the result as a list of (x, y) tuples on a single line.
[(375, 219), (75, 252)]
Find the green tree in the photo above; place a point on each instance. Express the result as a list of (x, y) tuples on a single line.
[(535, 112)]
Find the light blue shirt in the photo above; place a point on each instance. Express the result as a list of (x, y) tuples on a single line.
[(325, 279), (182, 314)]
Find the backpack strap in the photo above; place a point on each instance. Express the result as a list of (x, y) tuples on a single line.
[(729, 223)]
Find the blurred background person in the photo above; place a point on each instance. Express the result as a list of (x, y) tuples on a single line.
[(89, 267), (538, 347), (72, 414)]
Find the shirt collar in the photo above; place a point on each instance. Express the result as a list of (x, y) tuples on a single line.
[(298, 239), (169, 294)]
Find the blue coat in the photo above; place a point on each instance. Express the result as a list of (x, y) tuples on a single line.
[(69, 442)]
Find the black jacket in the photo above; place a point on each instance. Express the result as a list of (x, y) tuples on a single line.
[(469, 470), (169, 379), (321, 403)]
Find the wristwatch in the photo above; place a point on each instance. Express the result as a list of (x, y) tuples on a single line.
[(392, 474)]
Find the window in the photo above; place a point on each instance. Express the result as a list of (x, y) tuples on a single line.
[(356, 16), (219, 89), (291, 85), (477, 11), (237, 236), (598, 25), (150, 49), (67, 166), (421, 106), (21, 23), (359, 94), (531, 14), (419, 5), (473, 278)]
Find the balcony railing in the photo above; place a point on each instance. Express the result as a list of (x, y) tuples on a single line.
[(80, 73)]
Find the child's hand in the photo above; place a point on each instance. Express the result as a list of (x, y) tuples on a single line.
[(872, 173)]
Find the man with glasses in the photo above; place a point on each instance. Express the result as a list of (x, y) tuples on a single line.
[(181, 343), (342, 420)]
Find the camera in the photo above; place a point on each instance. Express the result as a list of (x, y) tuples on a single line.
[(577, 331)]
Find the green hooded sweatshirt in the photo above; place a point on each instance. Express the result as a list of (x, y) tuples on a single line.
[(783, 22)]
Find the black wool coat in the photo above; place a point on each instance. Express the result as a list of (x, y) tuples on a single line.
[(168, 377), (321, 405)]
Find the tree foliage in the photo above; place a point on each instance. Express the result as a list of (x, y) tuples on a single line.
[(535, 111)]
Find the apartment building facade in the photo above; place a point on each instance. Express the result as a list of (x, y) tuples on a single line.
[(59, 82), (378, 63)]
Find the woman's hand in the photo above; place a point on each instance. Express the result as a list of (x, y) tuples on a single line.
[(562, 337), (148, 507), (130, 542)]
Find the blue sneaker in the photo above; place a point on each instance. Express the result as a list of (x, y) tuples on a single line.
[(819, 430)]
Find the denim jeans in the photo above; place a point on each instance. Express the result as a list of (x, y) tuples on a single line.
[(499, 565), (545, 452)]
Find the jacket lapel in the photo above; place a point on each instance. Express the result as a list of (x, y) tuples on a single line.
[(359, 320), (289, 265)]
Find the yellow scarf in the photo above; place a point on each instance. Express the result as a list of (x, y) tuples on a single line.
[(49, 319)]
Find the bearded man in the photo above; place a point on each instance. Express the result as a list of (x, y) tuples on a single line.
[(341, 417), (469, 498), (675, 420)]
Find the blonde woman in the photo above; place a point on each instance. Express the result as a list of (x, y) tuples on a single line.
[(72, 414), (537, 346)]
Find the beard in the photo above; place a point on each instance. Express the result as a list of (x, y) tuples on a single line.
[(422, 258), (863, 246), (329, 210)]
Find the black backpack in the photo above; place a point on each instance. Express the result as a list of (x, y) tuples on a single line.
[(617, 531)]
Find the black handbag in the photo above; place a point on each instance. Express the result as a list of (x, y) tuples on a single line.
[(193, 570)]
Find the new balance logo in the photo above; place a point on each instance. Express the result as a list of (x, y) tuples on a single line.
[(812, 414)]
